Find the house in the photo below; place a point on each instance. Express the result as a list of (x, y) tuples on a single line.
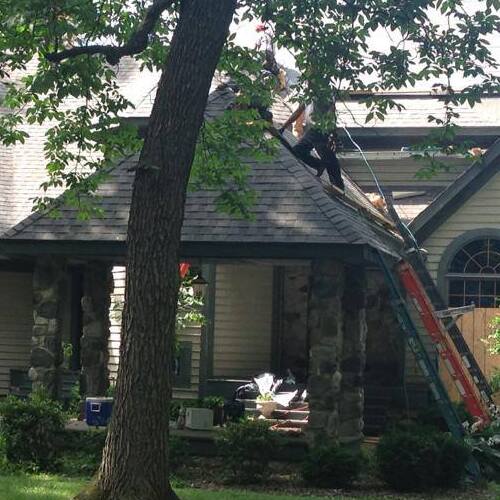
[(296, 288), (454, 214), (286, 290)]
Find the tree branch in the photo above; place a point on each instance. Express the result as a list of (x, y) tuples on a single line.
[(136, 44)]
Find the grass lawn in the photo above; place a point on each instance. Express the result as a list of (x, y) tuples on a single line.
[(52, 487), (38, 487)]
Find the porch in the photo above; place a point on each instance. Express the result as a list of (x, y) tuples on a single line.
[(326, 321)]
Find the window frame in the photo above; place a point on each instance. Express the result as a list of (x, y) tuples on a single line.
[(445, 277)]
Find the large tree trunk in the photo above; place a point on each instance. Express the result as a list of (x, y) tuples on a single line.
[(135, 460)]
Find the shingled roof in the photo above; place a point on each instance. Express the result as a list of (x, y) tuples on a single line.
[(293, 206)]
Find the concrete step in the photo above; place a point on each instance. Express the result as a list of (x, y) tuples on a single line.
[(291, 414), (252, 404), (281, 414), (296, 424)]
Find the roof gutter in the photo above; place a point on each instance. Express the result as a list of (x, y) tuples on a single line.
[(116, 251)]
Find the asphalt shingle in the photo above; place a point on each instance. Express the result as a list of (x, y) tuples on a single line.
[(292, 205)]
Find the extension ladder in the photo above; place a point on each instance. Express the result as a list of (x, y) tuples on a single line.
[(416, 260), (417, 347), (427, 366), (437, 333), (468, 359)]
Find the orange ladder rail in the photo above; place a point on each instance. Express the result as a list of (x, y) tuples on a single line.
[(437, 332)]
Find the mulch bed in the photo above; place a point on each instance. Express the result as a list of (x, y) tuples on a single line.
[(208, 473)]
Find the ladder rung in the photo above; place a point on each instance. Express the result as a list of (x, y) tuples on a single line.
[(431, 321), (453, 312)]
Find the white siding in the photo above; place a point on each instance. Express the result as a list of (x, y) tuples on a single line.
[(243, 320), (16, 323), (192, 334), (115, 316), (481, 210)]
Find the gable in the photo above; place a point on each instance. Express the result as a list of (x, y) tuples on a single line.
[(480, 212), (457, 193)]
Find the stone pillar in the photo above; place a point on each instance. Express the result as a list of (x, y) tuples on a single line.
[(325, 330), (46, 350), (97, 289), (353, 357)]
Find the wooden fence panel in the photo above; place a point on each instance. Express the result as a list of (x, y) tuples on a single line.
[(475, 327)]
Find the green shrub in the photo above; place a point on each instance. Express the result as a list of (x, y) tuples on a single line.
[(31, 429), (91, 441), (83, 451), (246, 448), (485, 446), (177, 404), (495, 381), (453, 457), (111, 390), (331, 467), (431, 416), (419, 458), (80, 463), (74, 402), (212, 402), (4, 463)]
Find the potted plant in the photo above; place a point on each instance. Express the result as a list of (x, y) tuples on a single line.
[(266, 405), (216, 404)]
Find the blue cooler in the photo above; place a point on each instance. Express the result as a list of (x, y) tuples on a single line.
[(98, 411)]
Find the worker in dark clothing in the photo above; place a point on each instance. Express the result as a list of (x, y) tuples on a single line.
[(315, 138)]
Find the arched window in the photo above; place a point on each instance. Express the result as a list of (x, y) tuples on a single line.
[(474, 274)]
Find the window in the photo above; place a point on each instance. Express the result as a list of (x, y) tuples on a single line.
[(474, 274)]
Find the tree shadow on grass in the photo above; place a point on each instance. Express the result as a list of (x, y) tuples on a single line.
[(38, 487)]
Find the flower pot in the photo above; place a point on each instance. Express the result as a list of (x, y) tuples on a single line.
[(266, 408)]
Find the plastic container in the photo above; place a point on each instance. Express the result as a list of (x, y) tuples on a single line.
[(98, 411), (199, 418)]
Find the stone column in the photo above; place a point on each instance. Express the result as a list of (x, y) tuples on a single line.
[(46, 350), (325, 330), (97, 289), (353, 357)]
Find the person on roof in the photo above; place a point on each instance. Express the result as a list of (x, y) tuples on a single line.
[(266, 44), (314, 138)]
